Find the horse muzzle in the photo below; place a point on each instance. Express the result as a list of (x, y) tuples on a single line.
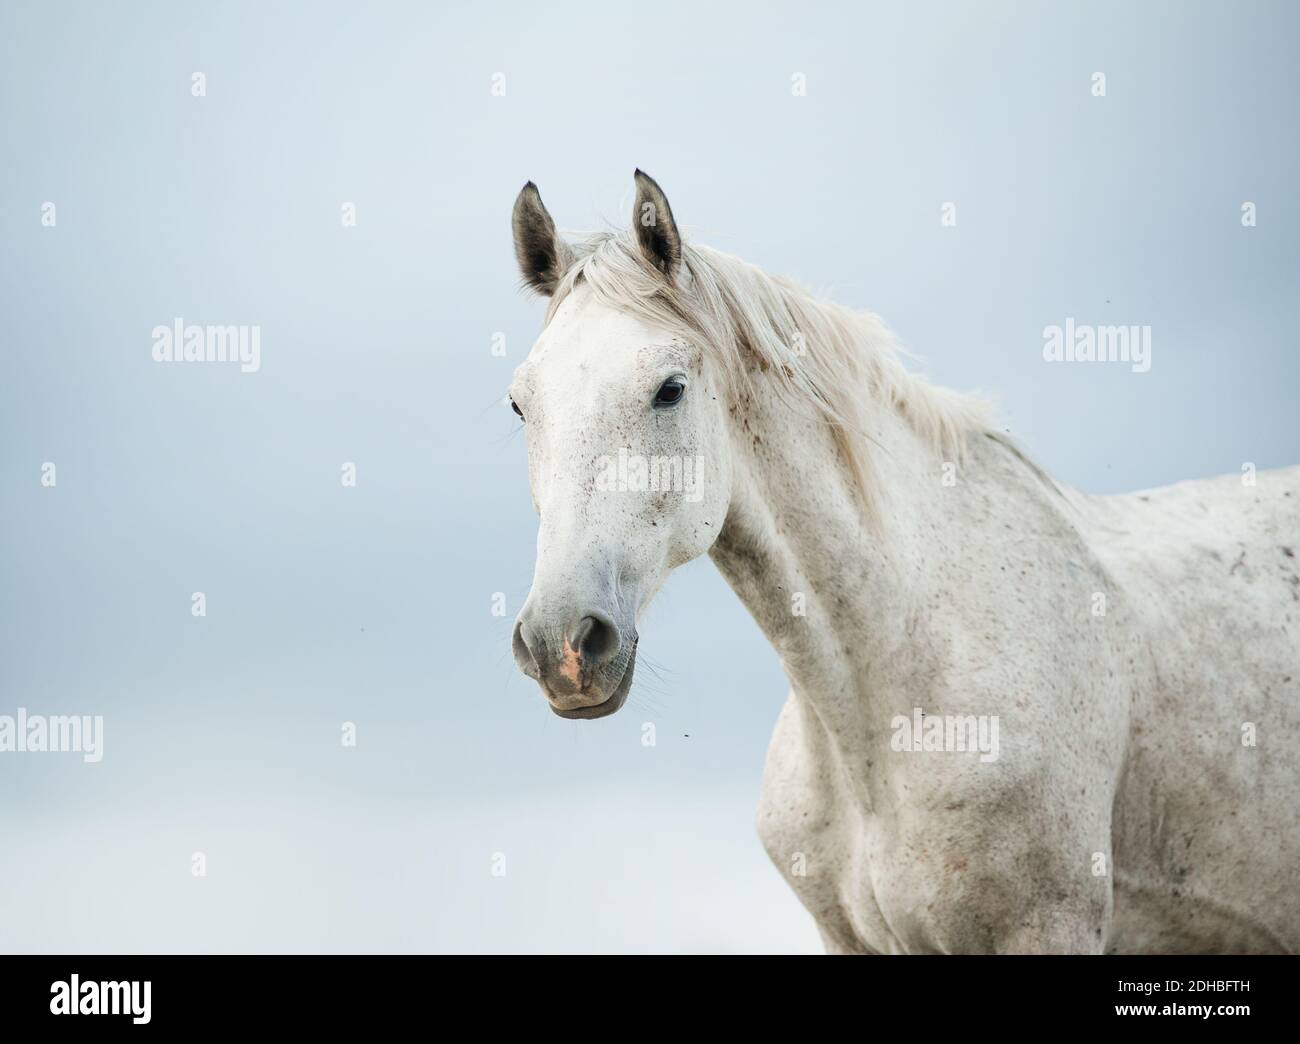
[(584, 668)]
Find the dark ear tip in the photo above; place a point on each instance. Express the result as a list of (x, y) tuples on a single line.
[(646, 183)]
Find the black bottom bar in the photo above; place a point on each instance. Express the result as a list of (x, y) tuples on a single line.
[(337, 993)]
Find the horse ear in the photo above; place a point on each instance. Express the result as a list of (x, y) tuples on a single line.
[(543, 255), (656, 231)]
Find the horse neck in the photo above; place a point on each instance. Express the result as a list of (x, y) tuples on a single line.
[(836, 591)]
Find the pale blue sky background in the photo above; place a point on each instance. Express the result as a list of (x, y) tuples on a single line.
[(372, 604)]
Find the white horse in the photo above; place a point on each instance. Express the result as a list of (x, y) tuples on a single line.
[(1021, 719)]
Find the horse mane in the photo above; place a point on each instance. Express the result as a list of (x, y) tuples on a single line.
[(842, 364)]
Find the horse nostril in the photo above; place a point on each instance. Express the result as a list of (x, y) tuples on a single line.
[(523, 653), (594, 640)]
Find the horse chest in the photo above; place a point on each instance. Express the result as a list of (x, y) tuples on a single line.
[(821, 836)]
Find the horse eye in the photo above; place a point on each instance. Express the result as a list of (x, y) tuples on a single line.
[(670, 392), (518, 412)]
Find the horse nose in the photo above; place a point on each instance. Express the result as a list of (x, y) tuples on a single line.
[(585, 646), (523, 650), (595, 639)]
